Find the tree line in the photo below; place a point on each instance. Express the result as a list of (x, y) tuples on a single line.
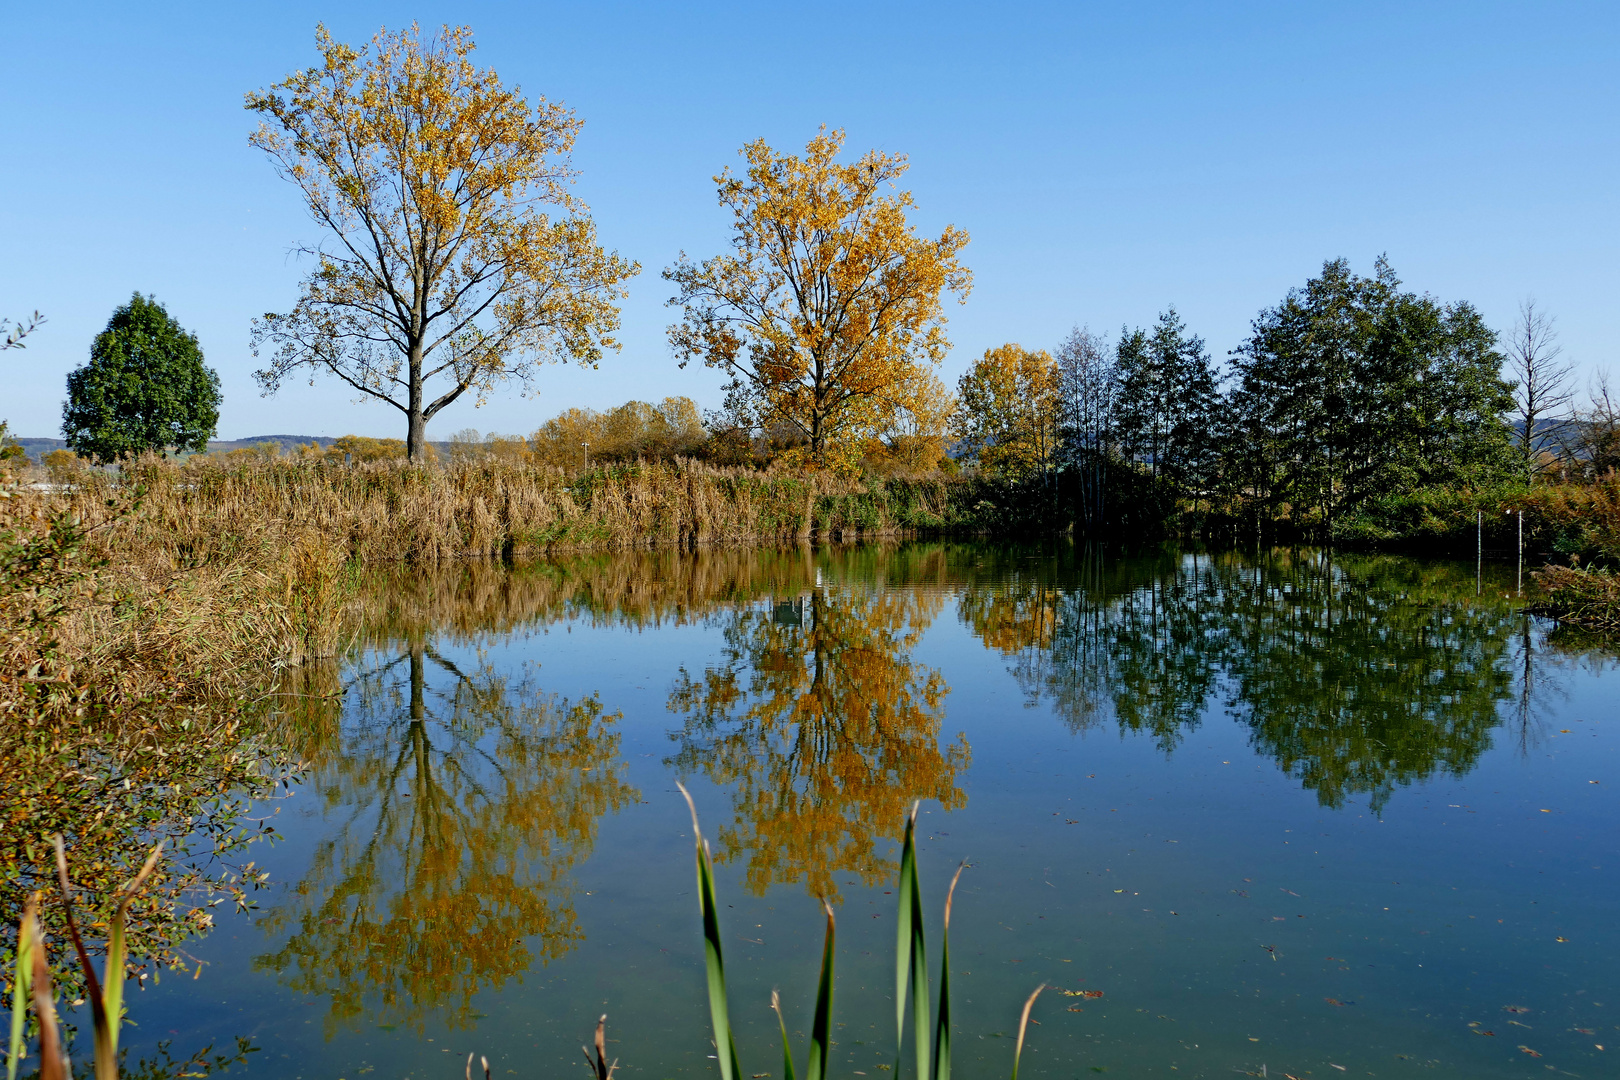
[(456, 259), (1348, 391)]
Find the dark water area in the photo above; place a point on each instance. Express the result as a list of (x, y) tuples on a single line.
[(1289, 814)]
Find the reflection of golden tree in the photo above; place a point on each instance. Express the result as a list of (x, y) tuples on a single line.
[(458, 814), (825, 730)]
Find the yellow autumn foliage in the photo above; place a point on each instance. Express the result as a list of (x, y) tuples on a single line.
[(828, 307)]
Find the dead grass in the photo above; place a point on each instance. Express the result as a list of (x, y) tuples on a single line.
[(212, 572)]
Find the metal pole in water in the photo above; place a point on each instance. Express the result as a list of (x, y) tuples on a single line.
[(1479, 550), (1521, 553)]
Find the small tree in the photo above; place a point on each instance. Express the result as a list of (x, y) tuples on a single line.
[(432, 180), (1535, 363), (1167, 401), (1088, 380), (829, 301), (145, 388), (1008, 408)]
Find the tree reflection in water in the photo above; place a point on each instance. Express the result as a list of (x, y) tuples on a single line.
[(824, 730), (1355, 674), (458, 805)]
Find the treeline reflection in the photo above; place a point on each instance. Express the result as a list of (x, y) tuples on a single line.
[(461, 796), (1355, 674)]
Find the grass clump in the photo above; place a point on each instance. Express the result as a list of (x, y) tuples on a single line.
[(931, 1058)]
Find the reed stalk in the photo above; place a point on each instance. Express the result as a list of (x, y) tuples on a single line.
[(31, 979)]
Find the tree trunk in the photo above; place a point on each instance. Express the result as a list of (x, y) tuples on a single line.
[(416, 423)]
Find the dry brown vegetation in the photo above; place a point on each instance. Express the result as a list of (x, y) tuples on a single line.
[(212, 567)]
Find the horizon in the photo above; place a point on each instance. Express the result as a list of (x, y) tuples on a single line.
[(1107, 164)]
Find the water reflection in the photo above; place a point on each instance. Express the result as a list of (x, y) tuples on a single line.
[(823, 730), (460, 797), (457, 805), (1355, 674)]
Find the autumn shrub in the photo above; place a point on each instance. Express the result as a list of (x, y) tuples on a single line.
[(109, 738), (1578, 596)]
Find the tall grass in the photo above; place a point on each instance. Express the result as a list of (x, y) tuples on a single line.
[(390, 511), (932, 1060), (31, 981)]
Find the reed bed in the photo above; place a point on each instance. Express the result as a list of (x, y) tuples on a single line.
[(205, 574), (389, 511)]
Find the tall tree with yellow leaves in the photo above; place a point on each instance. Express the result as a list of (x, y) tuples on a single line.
[(444, 264), (829, 303)]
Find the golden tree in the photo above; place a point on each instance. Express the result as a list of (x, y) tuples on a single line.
[(914, 438), (1008, 409), (829, 303), (442, 266)]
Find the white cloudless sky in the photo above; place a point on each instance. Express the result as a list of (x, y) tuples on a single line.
[(1107, 159)]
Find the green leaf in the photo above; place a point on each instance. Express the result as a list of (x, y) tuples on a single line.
[(725, 1047), (27, 942), (821, 1027)]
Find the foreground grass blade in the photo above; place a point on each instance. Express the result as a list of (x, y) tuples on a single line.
[(27, 942), (53, 1062), (117, 952), (725, 1047), (106, 1058), (942, 1032), (902, 945), (1023, 1022), (919, 965), (821, 1028), (787, 1048)]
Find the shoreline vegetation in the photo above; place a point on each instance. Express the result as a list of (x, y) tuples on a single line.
[(189, 579)]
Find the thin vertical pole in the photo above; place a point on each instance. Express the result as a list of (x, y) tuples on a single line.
[(1479, 551), (1521, 553)]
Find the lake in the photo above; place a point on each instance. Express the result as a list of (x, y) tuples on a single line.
[(1290, 814)]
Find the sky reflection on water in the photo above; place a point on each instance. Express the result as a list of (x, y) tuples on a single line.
[(1289, 811)]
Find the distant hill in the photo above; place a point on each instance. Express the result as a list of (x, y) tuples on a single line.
[(37, 448)]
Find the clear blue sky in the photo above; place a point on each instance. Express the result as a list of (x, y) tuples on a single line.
[(1108, 159)]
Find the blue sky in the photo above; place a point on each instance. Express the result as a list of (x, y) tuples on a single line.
[(1107, 159)]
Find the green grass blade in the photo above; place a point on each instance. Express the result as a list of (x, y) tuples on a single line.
[(725, 1047), (919, 971), (113, 974), (27, 942), (787, 1048), (902, 946), (942, 1032), (821, 1028), (1023, 1023)]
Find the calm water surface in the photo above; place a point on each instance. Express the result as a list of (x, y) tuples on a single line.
[(1290, 815)]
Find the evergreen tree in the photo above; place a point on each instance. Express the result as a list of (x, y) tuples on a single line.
[(1351, 389), (1168, 402), (145, 388)]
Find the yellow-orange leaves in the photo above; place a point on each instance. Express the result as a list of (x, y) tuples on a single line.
[(828, 304), (442, 263), (1008, 409)]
